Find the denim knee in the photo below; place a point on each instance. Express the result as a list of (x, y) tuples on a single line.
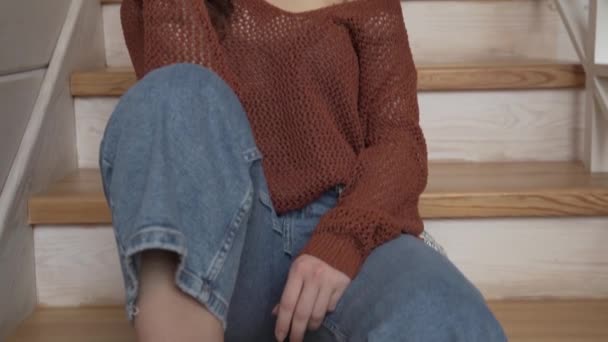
[(178, 101), (408, 291), (187, 83), (177, 78), (438, 313), (178, 89)]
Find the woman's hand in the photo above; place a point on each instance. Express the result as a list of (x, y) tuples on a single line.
[(313, 288)]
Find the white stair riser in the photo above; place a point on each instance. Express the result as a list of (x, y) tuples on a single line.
[(446, 31), (542, 125), (509, 258)]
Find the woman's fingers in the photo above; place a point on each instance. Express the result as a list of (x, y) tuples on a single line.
[(288, 303), (313, 288), (320, 308), (303, 311)]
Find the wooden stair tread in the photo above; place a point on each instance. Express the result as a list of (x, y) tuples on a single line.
[(523, 321), (455, 190), (116, 81)]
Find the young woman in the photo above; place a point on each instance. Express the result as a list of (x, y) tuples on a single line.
[(264, 175)]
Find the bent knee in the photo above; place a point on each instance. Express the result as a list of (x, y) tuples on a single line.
[(184, 92), (436, 314), (182, 80)]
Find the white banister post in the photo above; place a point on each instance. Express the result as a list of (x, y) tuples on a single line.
[(596, 106), (587, 25)]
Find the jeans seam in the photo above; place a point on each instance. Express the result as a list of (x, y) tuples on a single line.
[(135, 245), (334, 329), (288, 235), (211, 298), (264, 198), (183, 278), (243, 210)]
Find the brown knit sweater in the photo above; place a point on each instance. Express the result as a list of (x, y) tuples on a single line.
[(331, 98)]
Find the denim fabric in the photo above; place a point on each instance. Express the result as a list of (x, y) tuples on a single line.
[(181, 172)]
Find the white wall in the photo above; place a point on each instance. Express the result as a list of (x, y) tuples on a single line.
[(45, 147), (28, 33), (18, 93), (29, 30)]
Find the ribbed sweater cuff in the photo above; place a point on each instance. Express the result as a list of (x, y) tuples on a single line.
[(339, 251)]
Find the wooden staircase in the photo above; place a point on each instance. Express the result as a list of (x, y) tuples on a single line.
[(525, 321), (514, 76), (455, 190), (528, 227)]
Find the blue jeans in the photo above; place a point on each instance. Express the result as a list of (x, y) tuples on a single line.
[(181, 172)]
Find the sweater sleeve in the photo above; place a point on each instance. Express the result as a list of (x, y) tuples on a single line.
[(380, 200), (163, 32)]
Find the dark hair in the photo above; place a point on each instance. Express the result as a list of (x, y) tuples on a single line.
[(219, 11)]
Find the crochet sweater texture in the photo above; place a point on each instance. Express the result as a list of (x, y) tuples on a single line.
[(331, 98)]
